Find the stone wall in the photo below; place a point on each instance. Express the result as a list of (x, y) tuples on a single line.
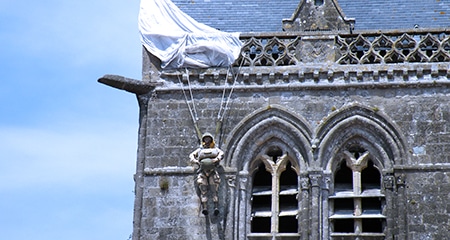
[(386, 93), (170, 204), (317, 95)]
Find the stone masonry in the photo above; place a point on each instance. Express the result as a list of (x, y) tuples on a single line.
[(382, 93)]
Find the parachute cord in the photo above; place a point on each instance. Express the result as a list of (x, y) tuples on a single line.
[(232, 88), (197, 130), (199, 133), (219, 115), (192, 97), (223, 96)]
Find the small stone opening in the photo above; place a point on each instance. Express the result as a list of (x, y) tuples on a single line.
[(318, 2), (274, 153), (370, 177), (261, 200), (261, 225), (343, 178), (288, 178), (372, 225), (371, 205), (262, 178), (261, 203), (343, 206), (288, 224), (343, 226), (288, 201)]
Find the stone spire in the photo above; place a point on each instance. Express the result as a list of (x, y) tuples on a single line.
[(318, 15)]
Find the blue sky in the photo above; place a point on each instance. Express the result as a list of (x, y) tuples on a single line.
[(67, 143)]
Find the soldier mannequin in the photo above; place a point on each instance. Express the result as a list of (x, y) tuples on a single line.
[(207, 157)]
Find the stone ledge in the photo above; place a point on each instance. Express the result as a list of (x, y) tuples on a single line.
[(173, 170), (318, 74), (341, 85), (440, 167)]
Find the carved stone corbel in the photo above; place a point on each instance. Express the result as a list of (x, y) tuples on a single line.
[(389, 182)]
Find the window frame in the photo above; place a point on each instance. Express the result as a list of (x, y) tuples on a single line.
[(275, 169), (357, 161)]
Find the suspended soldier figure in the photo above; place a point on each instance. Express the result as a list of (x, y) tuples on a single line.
[(208, 158)]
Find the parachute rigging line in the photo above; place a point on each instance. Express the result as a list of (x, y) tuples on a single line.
[(222, 110), (223, 97), (235, 75), (192, 111), (192, 97)]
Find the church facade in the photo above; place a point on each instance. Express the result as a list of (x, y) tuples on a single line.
[(328, 132)]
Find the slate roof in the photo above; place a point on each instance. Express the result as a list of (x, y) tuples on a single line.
[(266, 15)]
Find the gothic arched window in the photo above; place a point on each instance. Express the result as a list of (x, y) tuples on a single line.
[(357, 203), (274, 199)]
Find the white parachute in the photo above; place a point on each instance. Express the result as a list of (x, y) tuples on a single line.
[(181, 42)]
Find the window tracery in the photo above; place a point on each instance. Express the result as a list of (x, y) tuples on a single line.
[(357, 202), (274, 200), (338, 184)]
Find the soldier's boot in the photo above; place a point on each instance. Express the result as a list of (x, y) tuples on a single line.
[(204, 208), (216, 208)]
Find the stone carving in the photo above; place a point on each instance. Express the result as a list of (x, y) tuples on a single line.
[(208, 158), (231, 181), (312, 50), (389, 182), (345, 49), (380, 48), (401, 180), (304, 183), (326, 182), (315, 180), (355, 161), (272, 51), (323, 15)]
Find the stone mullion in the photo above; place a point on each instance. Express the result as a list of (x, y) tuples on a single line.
[(325, 206), (357, 200), (233, 183), (243, 210), (388, 184), (275, 198), (316, 203), (304, 216), (357, 165), (401, 206)]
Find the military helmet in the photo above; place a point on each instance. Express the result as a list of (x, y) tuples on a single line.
[(207, 134)]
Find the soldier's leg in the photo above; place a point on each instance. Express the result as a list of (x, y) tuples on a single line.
[(214, 181), (202, 182)]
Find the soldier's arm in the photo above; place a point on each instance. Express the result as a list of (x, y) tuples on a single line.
[(219, 156), (193, 156)]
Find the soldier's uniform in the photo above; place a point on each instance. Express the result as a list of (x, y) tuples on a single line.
[(208, 158)]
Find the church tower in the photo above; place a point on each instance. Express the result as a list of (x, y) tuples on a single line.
[(323, 131)]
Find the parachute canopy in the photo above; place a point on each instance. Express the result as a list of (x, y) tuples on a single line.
[(179, 41)]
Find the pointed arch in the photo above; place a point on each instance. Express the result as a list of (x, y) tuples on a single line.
[(271, 126), (358, 148), (269, 143), (357, 125)]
